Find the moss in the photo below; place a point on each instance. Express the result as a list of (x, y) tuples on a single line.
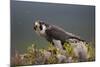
[(69, 49), (91, 52), (34, 55)]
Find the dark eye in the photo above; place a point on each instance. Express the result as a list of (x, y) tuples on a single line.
[(35, 27), (40, 27)]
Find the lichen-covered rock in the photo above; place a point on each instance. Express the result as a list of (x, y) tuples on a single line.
[(73, 52)]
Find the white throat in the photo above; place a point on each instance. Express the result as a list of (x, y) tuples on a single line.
[(42, 32)]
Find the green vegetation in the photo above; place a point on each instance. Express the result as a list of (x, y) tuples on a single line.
[(51, 55)]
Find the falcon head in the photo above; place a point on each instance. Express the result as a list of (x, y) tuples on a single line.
[(40, 27)]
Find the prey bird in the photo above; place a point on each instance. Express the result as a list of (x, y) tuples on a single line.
[(58, 36), (54, 34)]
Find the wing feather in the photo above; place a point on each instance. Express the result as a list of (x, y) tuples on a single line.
[(59, 34)]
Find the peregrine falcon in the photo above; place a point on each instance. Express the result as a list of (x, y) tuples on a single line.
[(54, 34)]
